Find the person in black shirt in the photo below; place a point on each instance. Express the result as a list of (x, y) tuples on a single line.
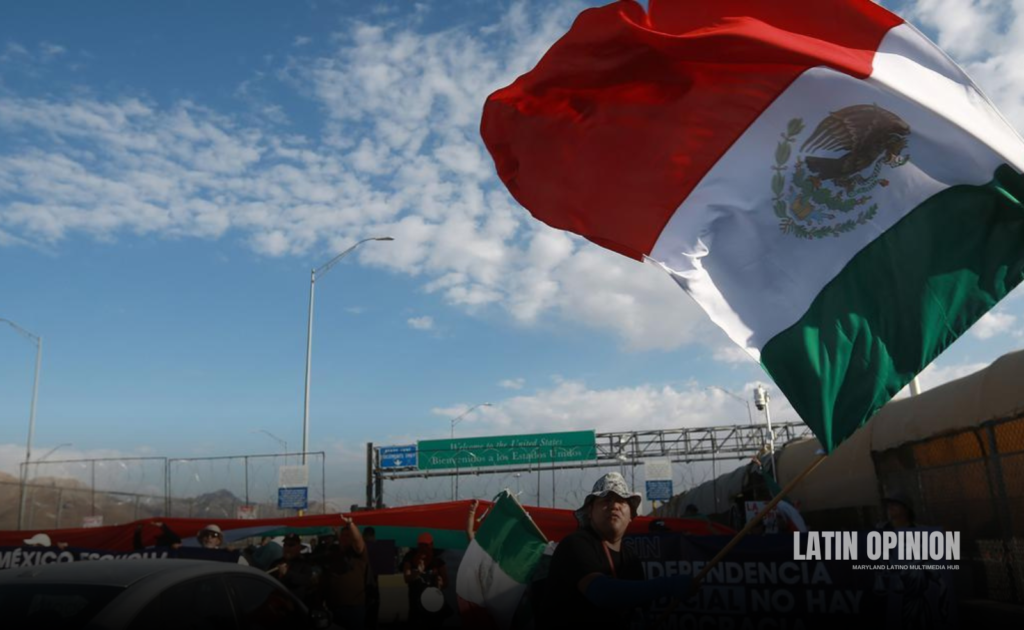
[(424, 569), (594, 580), (298, 572)]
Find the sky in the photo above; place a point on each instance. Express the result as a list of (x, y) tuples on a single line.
[(171, 171)]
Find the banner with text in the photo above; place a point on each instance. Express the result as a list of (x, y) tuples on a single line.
[(507, 450), (761, 585)]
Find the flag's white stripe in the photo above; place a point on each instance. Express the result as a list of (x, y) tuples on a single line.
[(482, 582), (908, 63), (723, 245)]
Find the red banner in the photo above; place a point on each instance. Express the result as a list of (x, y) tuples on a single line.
[(450, 517)]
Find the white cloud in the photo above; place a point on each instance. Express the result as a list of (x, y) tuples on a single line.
[(302, 40), (992, 324), (512, 383), (398, 153), (571, 405), (49, 50), (987, 38), (733, 354), (421, 323), (935, 375)]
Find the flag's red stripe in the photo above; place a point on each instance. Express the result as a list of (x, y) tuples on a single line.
[(626, 113), (555, 523)]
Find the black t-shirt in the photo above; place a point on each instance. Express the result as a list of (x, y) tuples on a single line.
[(302, 578), (578, 555)]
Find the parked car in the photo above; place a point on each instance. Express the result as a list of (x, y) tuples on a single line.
[(150, 595)]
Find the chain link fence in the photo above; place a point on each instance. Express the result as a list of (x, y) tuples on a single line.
[(108, 491), (971, 481)]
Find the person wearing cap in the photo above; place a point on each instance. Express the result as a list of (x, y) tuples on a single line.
[(43, 540), (899, 512), (210, 537), (423, 568), (297, 572), (346, 573), (594, 580)]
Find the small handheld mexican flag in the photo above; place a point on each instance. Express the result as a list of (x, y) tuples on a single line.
[(835, 193), (498, 565)]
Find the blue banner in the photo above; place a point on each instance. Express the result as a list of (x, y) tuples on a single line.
[(659, 490), (292, 498), (19, 557), (761, 585)]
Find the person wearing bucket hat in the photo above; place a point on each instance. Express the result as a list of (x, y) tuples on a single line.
[(594, 580), (210, 537)]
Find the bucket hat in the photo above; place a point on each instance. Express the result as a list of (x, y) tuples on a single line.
[(611, 483)]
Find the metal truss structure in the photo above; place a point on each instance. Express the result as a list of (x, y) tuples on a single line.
[(686, 445)]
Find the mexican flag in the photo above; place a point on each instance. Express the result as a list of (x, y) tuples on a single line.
[(837, 195), (498, 565)]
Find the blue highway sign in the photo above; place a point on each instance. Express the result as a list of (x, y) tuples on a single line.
[(292, 498), (659, 490), (397, 456)]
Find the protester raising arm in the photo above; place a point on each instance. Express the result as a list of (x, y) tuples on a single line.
[(358, 544), (471, 520)]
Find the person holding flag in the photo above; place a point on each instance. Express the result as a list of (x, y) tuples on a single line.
[(594, 580)]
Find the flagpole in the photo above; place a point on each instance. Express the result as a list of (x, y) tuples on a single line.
[(743, 532)]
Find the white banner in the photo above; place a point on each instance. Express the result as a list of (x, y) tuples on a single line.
[(658, 470), (293, 477)]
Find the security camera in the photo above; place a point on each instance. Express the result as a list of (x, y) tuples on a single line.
[(761, 398)]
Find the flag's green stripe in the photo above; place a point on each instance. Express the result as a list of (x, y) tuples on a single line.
[(899, 303), (511, 539)]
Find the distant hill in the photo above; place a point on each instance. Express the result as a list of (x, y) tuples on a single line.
[(61, 503)]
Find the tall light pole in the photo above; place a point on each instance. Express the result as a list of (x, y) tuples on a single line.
[(283, 443), (52, 451), (457, 419), (31, 414), (320, 271), (32, 508), (761, 401), (750, 414)]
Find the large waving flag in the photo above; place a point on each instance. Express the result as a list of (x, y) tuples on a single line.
[(827, 184), (498, 565)]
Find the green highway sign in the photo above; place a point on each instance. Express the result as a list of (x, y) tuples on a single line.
[(507, 450)]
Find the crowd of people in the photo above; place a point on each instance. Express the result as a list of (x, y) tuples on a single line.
[(591, 579)]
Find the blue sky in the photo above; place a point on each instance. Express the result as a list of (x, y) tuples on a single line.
[(169, 173)]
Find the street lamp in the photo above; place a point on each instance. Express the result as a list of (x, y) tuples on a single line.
[(750, 415), (283, 443), (309, 333), (761, 400), (52, 450), (457, 419), (31, 414)]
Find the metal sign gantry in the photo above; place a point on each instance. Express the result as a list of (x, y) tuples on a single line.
[(686, 445)]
